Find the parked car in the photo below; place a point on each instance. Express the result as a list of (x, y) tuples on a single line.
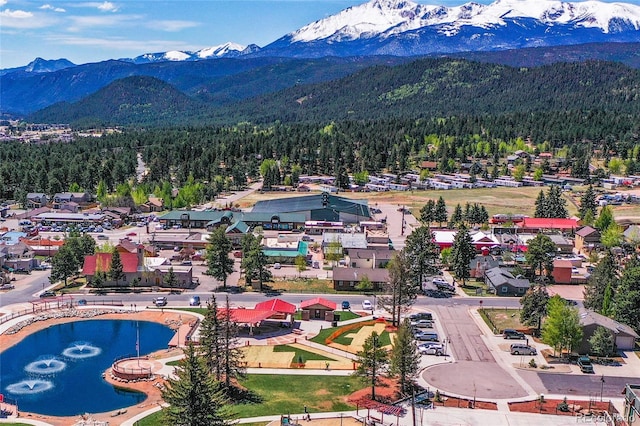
[(346, 305), (160, 301), (367, 306), (436, 349), (194, 301), (82, 302), (421, 315), (584, 362), (277, 266), (521, 349), (422, 323), (47, 293), (510, 333), (437, 294), (427, 336), (21, 271), (102, 237), (7, 287)]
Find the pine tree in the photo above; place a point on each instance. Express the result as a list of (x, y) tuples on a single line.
[(457, 217), (588, 203), (219, 264), (405, 359), (372, 362), (422, 253), (462, 252), (603, 276), (534, 306), (427, 212), (562, 329), (193, 395), (116, 271), (400, 291), (440, 212), (627, 298), (605, 219), (556, 204), (541, 205)]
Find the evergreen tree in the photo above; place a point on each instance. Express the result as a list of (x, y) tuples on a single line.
[(427, 213), (372, 362), (116, 270), (254, 262), (219, 264), (232, 356), (457, 217), (210, 342), (626, 306), (462, 252), (588, 203), (602, 277), (400, 292), (440, 214), (612, 236), (541, 205), (556, 205), (534, 306), (342, 179), (405, 359), (541, 251), (193, 395), (422, 254)]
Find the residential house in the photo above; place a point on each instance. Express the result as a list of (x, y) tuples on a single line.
[(587, 239), (504, 283), (563, 245), (370, 258), (20, 256), (61, 198), (318, 308), (624, 336), (349, 278), (480, 264), (36, 200), (154, 204)]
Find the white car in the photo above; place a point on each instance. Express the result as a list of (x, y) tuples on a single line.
[(367, 306), (436, 349)]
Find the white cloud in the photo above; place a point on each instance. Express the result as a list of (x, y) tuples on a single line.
[(3, 2), (23, 19), (49, 7), (171, 26), (107, 6)]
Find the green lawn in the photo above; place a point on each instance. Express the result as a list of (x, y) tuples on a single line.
[(384, 340), (282, 394), (306, 355), (151, 420), (472, 286)]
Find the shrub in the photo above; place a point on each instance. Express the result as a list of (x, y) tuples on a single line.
[(532, 363), (563, 406)]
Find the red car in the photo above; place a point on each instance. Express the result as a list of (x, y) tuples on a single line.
[(131, 234)]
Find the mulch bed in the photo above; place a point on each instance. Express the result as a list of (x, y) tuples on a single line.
[(452, 401), (550, 407)]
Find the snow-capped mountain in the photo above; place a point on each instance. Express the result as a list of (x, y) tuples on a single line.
[(40, 65), (402, 27), (228, 50)]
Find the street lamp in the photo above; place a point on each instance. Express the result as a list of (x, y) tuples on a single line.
[(601, 386)]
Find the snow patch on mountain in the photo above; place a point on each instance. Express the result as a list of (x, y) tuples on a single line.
[(219, 51), (389, 17)]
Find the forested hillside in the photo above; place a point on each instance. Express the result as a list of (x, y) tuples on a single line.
[(424, 88)]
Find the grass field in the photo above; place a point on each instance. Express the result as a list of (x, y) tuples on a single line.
[(301, 354), (496, 200), (499, 319)]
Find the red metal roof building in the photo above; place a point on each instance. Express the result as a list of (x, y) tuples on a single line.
[(277, 305), (537, 224)]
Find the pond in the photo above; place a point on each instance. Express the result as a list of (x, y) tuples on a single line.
[(58, 371)]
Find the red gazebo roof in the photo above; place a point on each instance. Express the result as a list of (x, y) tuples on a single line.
[(277, 305), (250, 316), (318, 301)]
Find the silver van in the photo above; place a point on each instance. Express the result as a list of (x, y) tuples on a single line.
[(521, 349)]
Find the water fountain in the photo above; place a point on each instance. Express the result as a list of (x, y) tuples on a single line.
[(79, 350), (31, 386), (46, 365)]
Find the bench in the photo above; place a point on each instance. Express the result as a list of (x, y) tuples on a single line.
[(296, 331)]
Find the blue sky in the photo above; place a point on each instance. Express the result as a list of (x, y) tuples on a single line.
[(92, 31)]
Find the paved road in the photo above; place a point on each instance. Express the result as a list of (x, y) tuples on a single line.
[(576, 384)]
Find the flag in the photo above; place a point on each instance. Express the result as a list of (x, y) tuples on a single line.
[(1, 397)]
